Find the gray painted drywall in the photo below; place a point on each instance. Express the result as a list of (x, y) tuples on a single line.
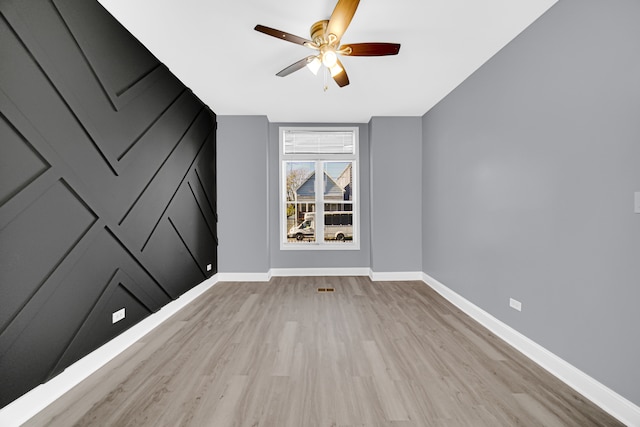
[(395, 153), (529, 172), (320, 258), (243, 217), (396, 188)]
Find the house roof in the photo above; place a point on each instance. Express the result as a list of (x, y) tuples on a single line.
[(307, 188)]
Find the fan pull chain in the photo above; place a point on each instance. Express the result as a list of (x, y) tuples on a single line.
[(326, 79)]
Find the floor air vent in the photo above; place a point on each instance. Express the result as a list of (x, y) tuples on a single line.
[(322, 290)]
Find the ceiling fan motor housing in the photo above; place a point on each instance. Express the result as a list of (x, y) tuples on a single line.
[(318, 32)]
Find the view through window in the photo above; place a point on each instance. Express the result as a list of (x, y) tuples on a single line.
[(319, 213)]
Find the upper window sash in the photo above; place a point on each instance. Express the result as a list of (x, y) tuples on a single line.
[(315, 141)]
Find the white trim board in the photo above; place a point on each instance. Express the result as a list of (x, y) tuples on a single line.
[(355, 271), (301, 272), (34, 401), (314, 272), (610, 401), (385, 276), (244, 277), (293, 272)]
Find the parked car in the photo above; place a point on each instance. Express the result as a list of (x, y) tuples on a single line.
[(337, 226), (302, 230)]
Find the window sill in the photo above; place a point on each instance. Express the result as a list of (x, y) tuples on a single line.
[(320, 246)]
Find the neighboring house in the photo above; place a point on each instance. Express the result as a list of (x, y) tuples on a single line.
[(345, 180), (305, 194)]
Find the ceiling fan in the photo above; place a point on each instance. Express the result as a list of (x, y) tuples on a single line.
[(325, 38)]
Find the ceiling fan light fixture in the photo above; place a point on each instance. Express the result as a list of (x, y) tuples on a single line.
[(325, 39), (314, 65), (335, 70), (329, 58)]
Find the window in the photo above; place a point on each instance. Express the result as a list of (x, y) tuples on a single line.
[(319, 213)]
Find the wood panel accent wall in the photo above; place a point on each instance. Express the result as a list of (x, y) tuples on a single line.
[(107, 186)]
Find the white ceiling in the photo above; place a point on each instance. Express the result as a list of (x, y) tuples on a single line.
[(212, 47)]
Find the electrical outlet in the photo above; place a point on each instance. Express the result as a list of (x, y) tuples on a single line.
[(117, 316), (515, 304), (209, 267)]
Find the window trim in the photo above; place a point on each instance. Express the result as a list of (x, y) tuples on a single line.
[(319, 159)]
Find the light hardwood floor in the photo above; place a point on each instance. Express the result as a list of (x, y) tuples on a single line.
[(282, 354)]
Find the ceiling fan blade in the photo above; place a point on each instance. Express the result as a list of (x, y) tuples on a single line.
[(341, 78), (341, 17), (282, 35), (370, 49), (295, 66)]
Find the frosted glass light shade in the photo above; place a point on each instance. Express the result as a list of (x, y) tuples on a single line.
[(314, 65), (329, 58), (335, 70)]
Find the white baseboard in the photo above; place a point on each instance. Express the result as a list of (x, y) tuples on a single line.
[(244, 277), (28, 405), (394, 276), (312, 272), (301, 272), (616, 405)]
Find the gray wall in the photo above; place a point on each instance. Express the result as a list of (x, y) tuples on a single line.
[(391, 146), (243, 215), (396, 191), (321, 258), (529, 172)]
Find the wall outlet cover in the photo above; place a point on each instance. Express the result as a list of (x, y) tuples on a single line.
[(117, 316), (515, 304)]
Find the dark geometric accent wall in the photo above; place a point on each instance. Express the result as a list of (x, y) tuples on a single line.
[(107, 186)]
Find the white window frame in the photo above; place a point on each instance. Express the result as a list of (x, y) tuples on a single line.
[(319, 159)]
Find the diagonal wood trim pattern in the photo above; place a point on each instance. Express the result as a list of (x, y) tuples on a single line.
[(107, 187)]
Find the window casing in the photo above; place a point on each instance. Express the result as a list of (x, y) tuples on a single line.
[(319, 213)]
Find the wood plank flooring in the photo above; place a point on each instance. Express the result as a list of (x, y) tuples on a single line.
[(282, 354)]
